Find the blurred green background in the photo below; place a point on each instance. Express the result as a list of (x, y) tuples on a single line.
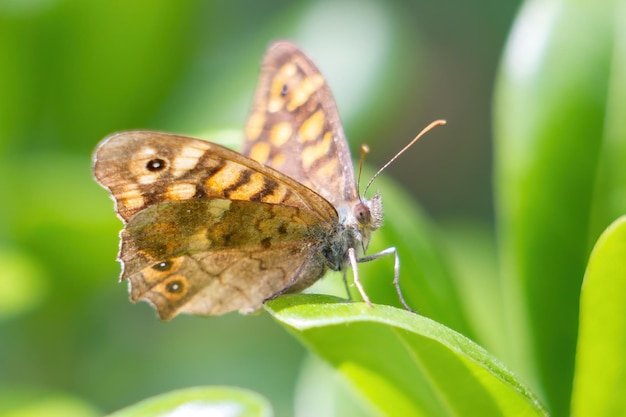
[(74, 71)]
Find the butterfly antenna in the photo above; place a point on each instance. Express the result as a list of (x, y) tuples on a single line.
[(364, 151), (431, 126)]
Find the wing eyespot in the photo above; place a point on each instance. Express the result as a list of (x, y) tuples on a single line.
[(163, 266), (175, 287), (156, 164)]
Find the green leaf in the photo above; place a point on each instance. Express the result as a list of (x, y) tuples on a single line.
[(600, 378), (402, 363), (550, 118), (213, 401), (29, 402)]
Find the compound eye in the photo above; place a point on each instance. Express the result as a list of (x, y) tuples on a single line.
[(362, 213)]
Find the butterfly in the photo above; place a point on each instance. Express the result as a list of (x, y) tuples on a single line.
[(208, 230)]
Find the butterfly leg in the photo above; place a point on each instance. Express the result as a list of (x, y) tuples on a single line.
[(396, 271), (345, 282), (355, 273)]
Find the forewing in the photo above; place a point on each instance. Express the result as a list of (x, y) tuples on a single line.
[(294, 125), (210, 257), (141, 169)]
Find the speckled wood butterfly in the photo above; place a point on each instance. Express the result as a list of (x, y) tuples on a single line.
[(209, 230)]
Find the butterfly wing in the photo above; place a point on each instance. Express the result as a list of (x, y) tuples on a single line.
[(294, 125), (144, 168), (208, 230), (212, 256)]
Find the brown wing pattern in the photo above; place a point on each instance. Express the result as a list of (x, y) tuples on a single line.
[(145, 168), (212, 256), (196, 287), (294, 125)]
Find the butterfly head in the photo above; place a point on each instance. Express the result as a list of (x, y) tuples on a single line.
[(367, 216), (369, 213), (357, 221)]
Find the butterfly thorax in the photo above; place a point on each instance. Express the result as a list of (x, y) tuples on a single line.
[(356, 223)]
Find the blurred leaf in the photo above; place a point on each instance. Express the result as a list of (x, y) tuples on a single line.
[(29, 403), (402, 363), (202, 401), (22, 283), (63, 204), (83, 69), (600, 379), (472, 252), (550, 115), (322, 391), (610, 189)]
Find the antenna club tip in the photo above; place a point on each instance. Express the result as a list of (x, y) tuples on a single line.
[(431, 126)]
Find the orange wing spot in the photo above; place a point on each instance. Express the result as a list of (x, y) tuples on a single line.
[(155, 273), (255, 125), (145, 153), (142, 176), (253, 186), (138, 164), (133, 203), (225, 177), (287, 71), (301, 94), (317, 151), (198, 242), (312, 127), (277, 196), (174, 287), (329, 169), (130, 197), (218, 208), (181, 191), (277, 161), (187, 160), (276, 101), (275, 104), (260, 152), (281, 133)]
